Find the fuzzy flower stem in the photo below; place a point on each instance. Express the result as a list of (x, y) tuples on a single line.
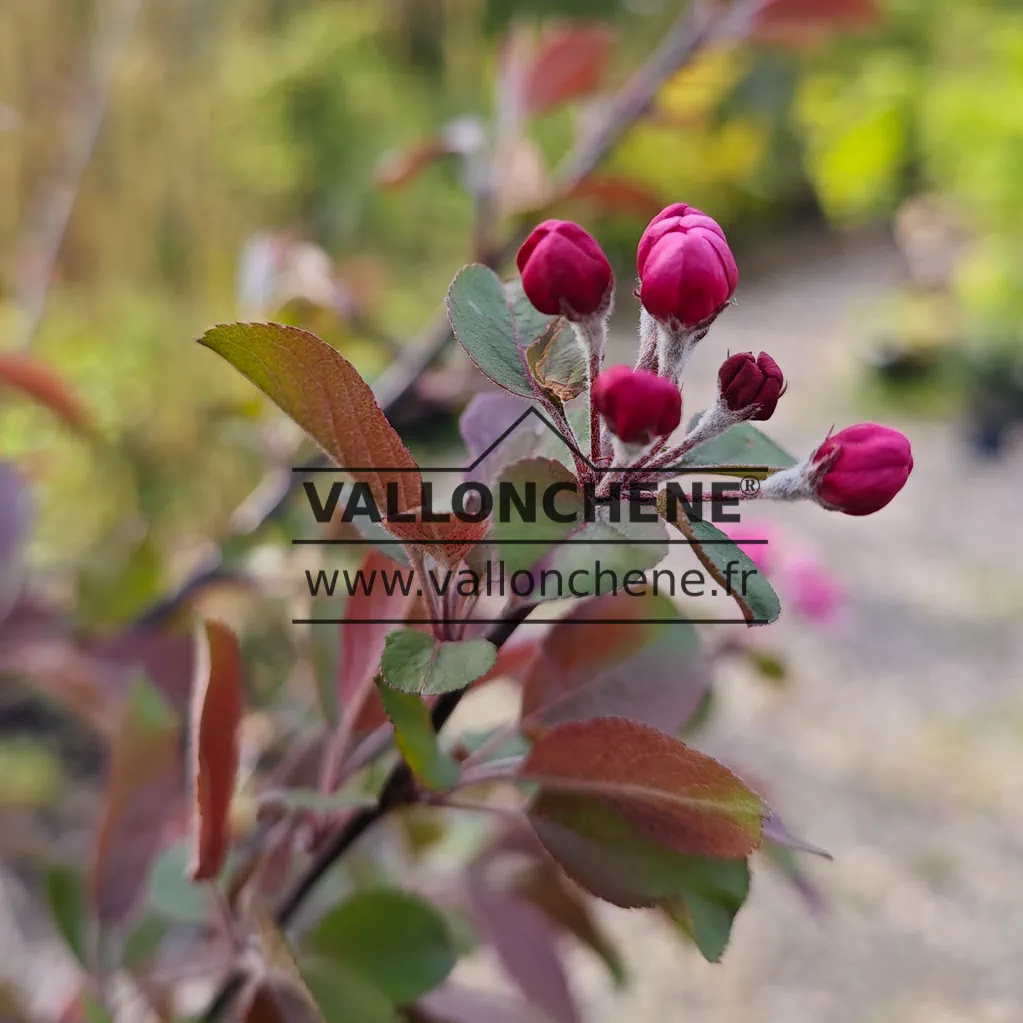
[(592, 335)]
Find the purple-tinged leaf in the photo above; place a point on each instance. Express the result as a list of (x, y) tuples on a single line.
[(526, 947), (543, 885), (780, 847), (143, 790), (485, 419), (617, 655), (673, 795), (455, 1004), (15, 516), (776, 831), (371, 614)]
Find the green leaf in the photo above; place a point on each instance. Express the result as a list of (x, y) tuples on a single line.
[(715, 892), (415, 737), (741, 444), (484, 325), (140, 946), (342, 994), (393, 940), (171, 893), (531, 481), (607, 856), (65, 893), (732, 569), (530, 323), (93, 1012), (415, 662), (605, 554)]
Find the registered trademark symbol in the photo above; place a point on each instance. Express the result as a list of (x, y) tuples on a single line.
[(750, 485)]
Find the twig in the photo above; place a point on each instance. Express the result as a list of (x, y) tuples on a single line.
[(398, 790), (44, 238)]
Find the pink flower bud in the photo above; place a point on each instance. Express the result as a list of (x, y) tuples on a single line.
[(637, 405), (860, 469), (564, 271), (751, 384), (687, 272)]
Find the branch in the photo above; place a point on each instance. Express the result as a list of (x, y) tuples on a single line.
[(398, 790), (700, 24)]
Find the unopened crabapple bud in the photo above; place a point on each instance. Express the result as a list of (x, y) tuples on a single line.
[(687, 272), (750, 386), (860, 469), (565, 272), (637, 405)]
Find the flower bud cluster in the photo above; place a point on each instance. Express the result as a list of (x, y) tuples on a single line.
[(687, 277)]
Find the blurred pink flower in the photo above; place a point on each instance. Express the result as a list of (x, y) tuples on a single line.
[(758, 540), (803, 582), (814, 593)]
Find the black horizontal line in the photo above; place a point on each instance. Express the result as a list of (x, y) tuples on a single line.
[(428, 541), (529, 621), (398, 469)]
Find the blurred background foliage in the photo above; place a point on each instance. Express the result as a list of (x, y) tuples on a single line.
[(233, 124)]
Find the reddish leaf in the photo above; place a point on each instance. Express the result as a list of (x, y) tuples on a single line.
[(92, 678), (217, 707), (89, 688), (514, 659), (323, 392), (610, 194), (455, 1004), (563, 904), (798, 21), (569, 64), (485, 419), (399, 168), (525, 945), (35, 379), (142, 791), (369, 617), (673, 795), (654, 673), (167, 657)]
